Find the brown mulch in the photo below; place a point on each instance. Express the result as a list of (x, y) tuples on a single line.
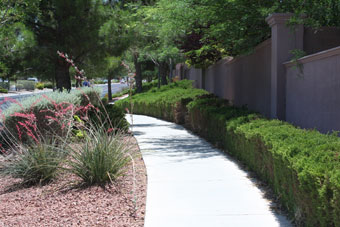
[(59, 204)]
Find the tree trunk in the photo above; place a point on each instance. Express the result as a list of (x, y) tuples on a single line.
[(62, 75), (138, 76), (203, 79), (109, 91), (171, 71), (163, 69), (8, 84), (159, 77)]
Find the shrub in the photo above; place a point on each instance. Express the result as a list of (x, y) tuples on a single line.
[(162, 102), (50, 113), (4, 85), (19, 87), (48, 85), (40, 86), (125, 91), (301, 166), (98, 81), (27, 85), (105, 100), (34, 164), (100, 158), (109, 116), (3, 90)]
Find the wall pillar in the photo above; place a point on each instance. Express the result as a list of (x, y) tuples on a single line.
[(284, 39)]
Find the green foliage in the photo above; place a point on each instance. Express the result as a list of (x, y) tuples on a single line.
[(121, 93), (99, 81), (105, 100), (40, 86), (48, 85), (4, 85), (75, 97), (147, 86), (101, 157), (14, 10), (3, 90), (161, 102), (301, 166), (78, 24), (16, 41), (297, 163), (27, 85), (206, 30), (19, 87), (41, 106), (109, 116), (34, 164)]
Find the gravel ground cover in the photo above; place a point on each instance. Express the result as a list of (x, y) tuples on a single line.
[(63, 204)]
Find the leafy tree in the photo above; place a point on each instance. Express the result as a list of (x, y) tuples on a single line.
[(16, 41), (12, 11), (115, 42), (138, 36), (206, 30), (71, 27), (160, 50)]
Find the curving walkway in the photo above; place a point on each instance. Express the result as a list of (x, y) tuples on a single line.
[(192, 184)]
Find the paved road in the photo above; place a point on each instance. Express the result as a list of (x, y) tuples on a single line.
[(114, 88), (192, 184)]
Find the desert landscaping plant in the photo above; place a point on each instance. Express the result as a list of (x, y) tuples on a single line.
[(101, 157), (38, 163), (38, 133)]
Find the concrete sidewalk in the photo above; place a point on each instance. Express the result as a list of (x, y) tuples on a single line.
[(192, 184)]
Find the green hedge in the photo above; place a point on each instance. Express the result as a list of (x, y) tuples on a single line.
[(301, 166), (26, 84), (3, 90), (162, 102)]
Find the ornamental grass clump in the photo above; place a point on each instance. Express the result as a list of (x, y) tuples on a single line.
[(45, 135), (34, 134), (38, 163), (101, 158)]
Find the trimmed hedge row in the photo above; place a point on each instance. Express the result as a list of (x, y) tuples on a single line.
[(164, 102), (302, 166)]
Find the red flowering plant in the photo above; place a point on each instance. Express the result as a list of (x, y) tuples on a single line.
[(45, 117), (39, 131), (36, 133)]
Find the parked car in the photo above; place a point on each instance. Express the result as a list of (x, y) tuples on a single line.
[(33, 79)]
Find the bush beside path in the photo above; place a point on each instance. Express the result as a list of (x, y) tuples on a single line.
[(301, 166)]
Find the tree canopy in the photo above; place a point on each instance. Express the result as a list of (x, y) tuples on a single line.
[(164, 32)]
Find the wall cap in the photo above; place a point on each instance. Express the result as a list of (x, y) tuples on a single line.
[(278, 18), (314, 57)]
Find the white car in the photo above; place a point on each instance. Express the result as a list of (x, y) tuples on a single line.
[(33, 79)]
